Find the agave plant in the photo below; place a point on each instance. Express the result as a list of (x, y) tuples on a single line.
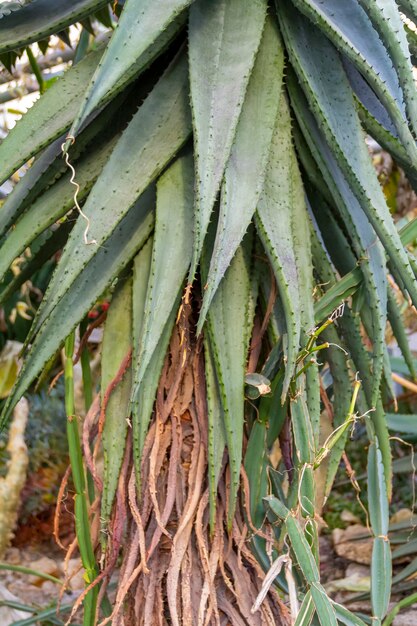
[(217, 185)]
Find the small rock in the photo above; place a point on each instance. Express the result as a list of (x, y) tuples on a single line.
[(349, 517), (12, 556), (402, 515), (75, 570), (50, 588), (44, 565), (356, 582), (355, 569), (348, 545)]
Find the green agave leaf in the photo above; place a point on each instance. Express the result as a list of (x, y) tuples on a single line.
[(408, 233), (402, 423), (117, 341), (324, 607), (274, 223), (302, 250), (399, 365), (342, 394), (397, 325), (245, 170), (377, 495), (299, 545), (344, 616), (157, 131), (369, 99), (52, 244), (388, 142), (171, 258), (324, 271), (336, 359), (405, 550), (373, 114), (53, 204), (49, 166), (407, 571), (301, 425), (141, 272), (144, 29), (351, 331), (309, 164), (277, 328), (409, 524), (256, 466), (306, 612), (147, 390), (388, 22), (48, 118), (381, 568), (221, 63), (80, 295), (405, 465), (334, 238), (347, 25), (381, 574), (362, 234), (263, 433), (216, 431), (373, 266), (229, 331), (340, 125), (44, 170), (303, 450), (337, 294), (39, 18)]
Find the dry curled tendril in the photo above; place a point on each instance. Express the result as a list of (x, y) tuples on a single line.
[(71, 139)]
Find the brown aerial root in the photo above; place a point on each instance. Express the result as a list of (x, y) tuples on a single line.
[(173, 568), (60, 500), (88, 432)]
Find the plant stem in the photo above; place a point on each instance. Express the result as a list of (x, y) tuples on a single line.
[(36, 69), (402, 604), (88, 397), (82, 527)]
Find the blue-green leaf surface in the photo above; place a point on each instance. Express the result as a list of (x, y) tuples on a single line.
[(48, 118), (117, 341), (39, 18), (229, 330), (221, 61), (324, 81), (145, 28), (245, 169), (157, 131), (171, 258), (274, 223), (126, 239)]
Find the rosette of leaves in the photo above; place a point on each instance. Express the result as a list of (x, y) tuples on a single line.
[(230, 205)]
